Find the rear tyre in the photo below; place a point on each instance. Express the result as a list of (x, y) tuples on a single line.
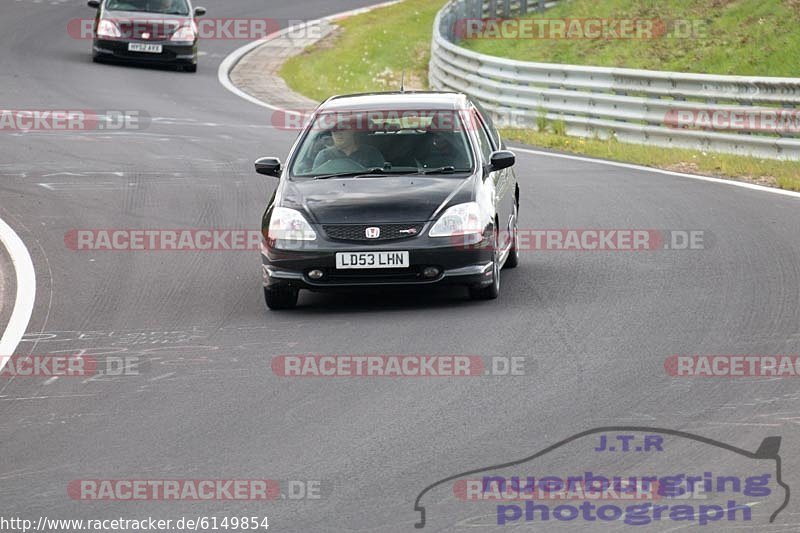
[(281, 298), (513, 254), (492, 291), (191, 68)]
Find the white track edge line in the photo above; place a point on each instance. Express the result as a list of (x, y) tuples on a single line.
[(26, 292), (230, 61)]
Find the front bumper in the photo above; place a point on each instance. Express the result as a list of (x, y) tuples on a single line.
[(172, 53), (468, 265)]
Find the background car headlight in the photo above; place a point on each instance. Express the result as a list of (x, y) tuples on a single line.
[(289, 225), (185, 33), (461, 219), (106, 28)]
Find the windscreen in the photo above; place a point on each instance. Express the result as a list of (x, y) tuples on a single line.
[(167, 7), (396, 141)]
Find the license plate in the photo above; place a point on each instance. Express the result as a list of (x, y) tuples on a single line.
[(144, 47), (372, 260)]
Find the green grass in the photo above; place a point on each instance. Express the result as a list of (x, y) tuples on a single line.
[(784, 174), (372, 49), (369, 53), (744, 37)]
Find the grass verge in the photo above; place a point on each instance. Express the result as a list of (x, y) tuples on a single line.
[(371, 50), (737, 37), (368, 53)]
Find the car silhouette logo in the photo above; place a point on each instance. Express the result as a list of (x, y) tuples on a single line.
[(372, 233), (768, 450), (145, 35)]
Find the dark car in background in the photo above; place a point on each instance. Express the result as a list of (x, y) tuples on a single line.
[(162, 32), (391, 189)]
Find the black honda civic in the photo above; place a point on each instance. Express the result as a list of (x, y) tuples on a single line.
[(146, 31), (391, 189)]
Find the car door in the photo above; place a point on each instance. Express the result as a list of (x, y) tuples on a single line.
[(504, 182)]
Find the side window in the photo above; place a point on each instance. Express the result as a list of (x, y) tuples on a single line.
[(487, 119), (483, 138)]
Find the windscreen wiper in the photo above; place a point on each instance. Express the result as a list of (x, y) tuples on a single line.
[(366, 172), (441, 170)]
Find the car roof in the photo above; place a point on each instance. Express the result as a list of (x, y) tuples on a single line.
[(407, 100)]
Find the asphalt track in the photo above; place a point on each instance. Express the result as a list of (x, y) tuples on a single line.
[(594, 327)]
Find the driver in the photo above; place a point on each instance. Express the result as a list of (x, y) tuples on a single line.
[(347, 145)]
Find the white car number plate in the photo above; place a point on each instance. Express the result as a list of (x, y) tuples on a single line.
[(372, 260), (143, 47)]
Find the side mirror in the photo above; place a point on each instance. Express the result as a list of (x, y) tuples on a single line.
[(93, 3), (269, 166), (199, 11), (502, 159)]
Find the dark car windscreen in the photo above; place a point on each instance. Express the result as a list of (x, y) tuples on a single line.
[(167, 7), (396, 141)]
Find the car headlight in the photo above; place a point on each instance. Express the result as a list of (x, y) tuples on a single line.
[(461, 219), (185, 33), (106, 28), (289, 225)]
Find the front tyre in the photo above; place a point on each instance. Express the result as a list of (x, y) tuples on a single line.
[(492, 291), (281, 298)]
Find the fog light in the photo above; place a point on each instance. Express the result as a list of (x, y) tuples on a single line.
[(316, 274), (430, 272)]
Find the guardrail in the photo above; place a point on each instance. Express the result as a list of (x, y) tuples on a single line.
[(638, 106)]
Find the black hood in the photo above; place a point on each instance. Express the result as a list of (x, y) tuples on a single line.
[(375, 199)]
